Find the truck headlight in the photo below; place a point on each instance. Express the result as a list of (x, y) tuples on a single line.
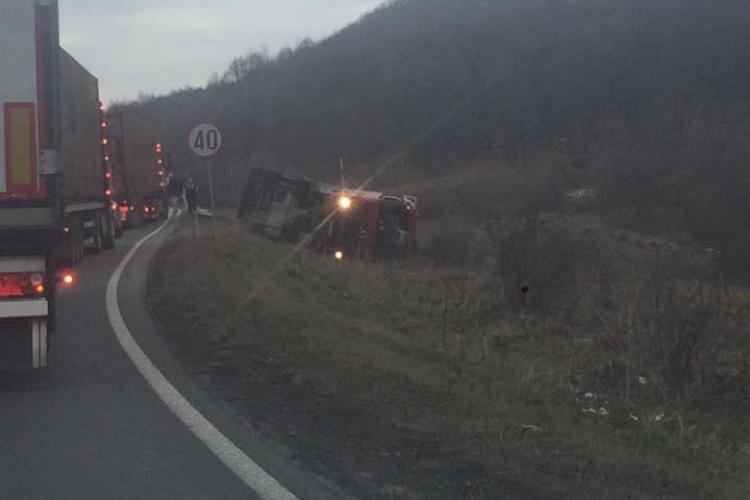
[(345, 203)]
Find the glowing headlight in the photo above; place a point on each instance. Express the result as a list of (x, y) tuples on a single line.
[(339, 255), (345, 203)]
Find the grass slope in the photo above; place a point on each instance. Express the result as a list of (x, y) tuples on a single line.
[(377, 339)]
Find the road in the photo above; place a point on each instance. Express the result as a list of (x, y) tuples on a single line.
[(91, 427)]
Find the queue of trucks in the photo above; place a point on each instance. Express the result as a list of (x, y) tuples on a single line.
[(64, 177)]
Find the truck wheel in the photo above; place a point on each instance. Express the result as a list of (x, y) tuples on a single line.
[(78, 253), (108, 241), (71, 251), (78, 247), (98, 241)]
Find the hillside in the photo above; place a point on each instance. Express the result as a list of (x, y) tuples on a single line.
[(645, 101), (564, 326)]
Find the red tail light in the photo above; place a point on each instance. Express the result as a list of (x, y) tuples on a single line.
[(22, 285)]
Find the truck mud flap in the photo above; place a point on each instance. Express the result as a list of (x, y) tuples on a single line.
[(23, 344)]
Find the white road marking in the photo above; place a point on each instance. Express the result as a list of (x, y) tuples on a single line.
[(262, 483)]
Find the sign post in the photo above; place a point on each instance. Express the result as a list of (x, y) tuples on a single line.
[(205, 141)]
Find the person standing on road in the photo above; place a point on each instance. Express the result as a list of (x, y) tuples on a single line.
[(191, 194), (174, 192)]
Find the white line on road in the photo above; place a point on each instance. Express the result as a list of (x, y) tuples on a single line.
[(262, 483)]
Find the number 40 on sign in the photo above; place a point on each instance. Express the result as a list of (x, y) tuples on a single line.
[(205, 140)]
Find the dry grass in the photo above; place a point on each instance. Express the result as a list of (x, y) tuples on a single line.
[(433, 348)]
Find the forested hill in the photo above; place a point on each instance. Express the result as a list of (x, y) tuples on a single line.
[(647, 101)]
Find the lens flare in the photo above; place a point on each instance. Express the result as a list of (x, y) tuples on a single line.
[(345, 203)]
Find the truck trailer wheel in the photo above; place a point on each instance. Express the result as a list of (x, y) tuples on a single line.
[(110, 235), (108, 242), (79, 252), (78, 244), (98, 241)]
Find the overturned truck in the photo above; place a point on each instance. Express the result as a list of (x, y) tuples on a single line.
[(338, 222)]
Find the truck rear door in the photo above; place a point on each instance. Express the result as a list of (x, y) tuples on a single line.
[(28, 41)]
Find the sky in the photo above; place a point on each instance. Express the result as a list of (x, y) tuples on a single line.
[(153, 47)]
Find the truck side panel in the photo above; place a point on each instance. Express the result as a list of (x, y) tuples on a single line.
[(140, 156), (118, 139), (82, 170)]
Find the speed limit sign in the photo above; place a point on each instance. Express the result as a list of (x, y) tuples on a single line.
[(205, 140)]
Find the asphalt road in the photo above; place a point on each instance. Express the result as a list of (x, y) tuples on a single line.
[(90, 427)]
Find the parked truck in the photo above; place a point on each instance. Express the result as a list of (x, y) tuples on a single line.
[(54, 178), (86, 179)]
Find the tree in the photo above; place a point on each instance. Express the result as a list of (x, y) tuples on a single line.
[(243, 67)]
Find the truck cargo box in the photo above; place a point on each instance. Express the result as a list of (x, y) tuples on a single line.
[(136, 174), (29, 132), (81, 179)]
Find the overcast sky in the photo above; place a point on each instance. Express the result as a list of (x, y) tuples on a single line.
[(154, 46)]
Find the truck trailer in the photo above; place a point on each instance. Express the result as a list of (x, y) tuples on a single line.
[(139, 167), (341, 223), (54, 179)]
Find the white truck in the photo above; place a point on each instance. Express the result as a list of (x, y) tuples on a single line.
[(55, 182)]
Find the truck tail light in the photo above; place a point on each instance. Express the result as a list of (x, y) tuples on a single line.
[(22, 285)]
